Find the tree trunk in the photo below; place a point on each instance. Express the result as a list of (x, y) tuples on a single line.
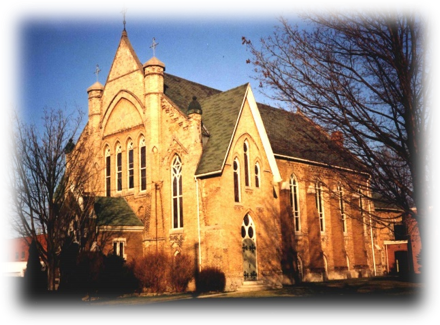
[(51, 275)]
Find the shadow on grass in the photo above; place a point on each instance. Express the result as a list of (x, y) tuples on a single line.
[(357, 287), (342, 300)]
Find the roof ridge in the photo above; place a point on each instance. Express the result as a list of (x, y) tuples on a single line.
[(226, 92), (193, 82)]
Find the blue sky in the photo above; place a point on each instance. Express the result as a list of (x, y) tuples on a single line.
[(50, 49)]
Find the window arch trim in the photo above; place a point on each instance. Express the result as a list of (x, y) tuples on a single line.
[(247, 172), (236, 175), (342, 208), (118, 167), (142, 164), (130, 164), (257, 175), (320, 205), (294, 202), (107, 154), (177, 192)]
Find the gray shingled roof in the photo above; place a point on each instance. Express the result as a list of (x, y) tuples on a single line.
[(181, 91), (296, 136), (290, 134), (220, 114)]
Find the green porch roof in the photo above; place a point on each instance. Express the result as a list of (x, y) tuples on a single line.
[(115, 212)]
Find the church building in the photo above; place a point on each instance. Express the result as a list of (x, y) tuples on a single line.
[(261, 193)]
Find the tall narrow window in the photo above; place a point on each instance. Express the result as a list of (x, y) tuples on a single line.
[(119, 247), (236, 167), (143, 165), (257, 175), (107, 172), (361, 209), (119, 168), (342, 208), (247, 179), (176, 176), (294, 202), (320, 205), (130, 165)]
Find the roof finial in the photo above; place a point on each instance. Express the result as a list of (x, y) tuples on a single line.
[(97, 71), (153, 46), (123, 12)]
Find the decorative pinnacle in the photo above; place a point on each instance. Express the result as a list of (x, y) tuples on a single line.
[(97, 71), (153, 46), (123, 12)]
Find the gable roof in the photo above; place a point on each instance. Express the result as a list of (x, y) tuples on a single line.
[(294, 136), (181, 91), (115, 212), (382, 204), (220, 115), (291, 135), (125, 60)]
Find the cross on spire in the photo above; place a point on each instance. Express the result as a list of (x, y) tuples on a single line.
[(97, 70), (153, 46), (123, 12)]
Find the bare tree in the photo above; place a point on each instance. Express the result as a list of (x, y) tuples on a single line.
[(51, 186), (363, 75)]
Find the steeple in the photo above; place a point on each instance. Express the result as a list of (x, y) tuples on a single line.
[(125, 60)]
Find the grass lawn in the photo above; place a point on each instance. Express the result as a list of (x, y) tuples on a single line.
[(354, 301), (365, 299), (141, 299), (346, 289)]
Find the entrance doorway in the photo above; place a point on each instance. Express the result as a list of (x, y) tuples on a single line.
[(249, 248), (401, 266)]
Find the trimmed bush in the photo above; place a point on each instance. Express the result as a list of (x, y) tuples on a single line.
[(157, 272), (211, 279), (152, 271), (181, 272)]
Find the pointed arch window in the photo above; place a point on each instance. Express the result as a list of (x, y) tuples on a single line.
[(130, 165), (342, 208), (320, 205), (119, 167), (247, 177), (107, 172), (294, 203), (257, 175), (142, 164), (236, 168), (248, 228), (177, 198)]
